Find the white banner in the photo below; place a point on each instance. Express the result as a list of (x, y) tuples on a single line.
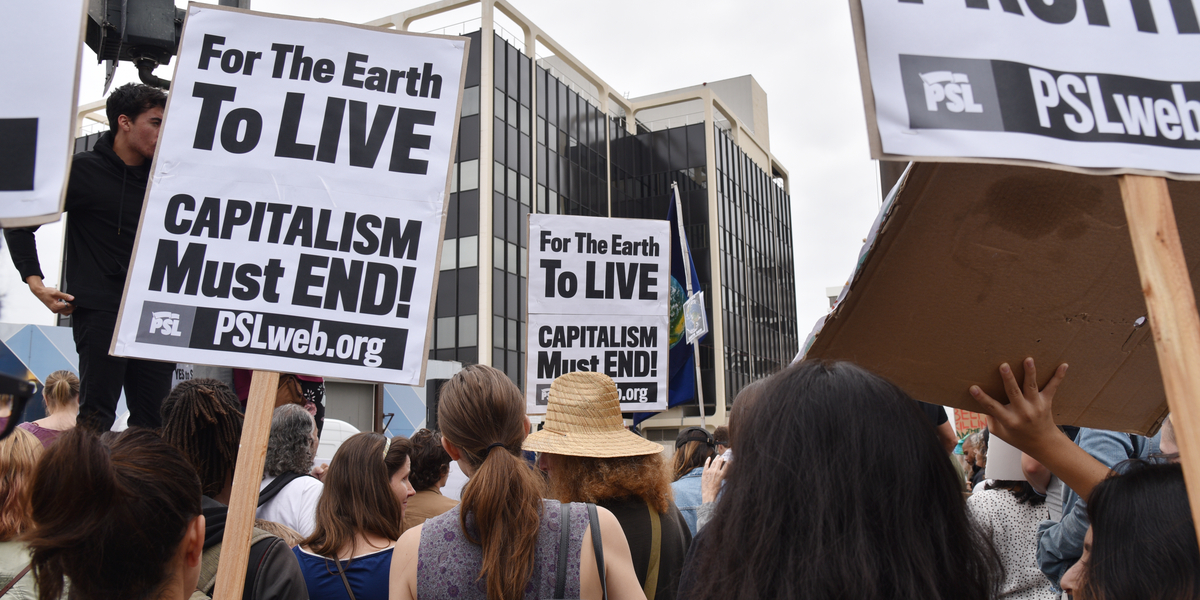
[(599, 301), (1100, 84), (294, 215), (40, 43)]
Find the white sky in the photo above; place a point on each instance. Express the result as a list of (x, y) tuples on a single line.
[(801, 53)]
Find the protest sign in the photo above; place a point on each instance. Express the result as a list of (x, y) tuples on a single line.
[(599, 301), (295, 211), (1095, 84), (37, 107), (975, 265)]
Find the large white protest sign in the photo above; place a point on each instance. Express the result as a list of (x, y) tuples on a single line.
[(294, 215), (40, 43), (1100, 84), (599, 301)]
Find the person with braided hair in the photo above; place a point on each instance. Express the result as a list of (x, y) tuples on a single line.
[(201, 418)]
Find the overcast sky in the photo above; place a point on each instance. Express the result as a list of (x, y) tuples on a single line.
[(801, 53)]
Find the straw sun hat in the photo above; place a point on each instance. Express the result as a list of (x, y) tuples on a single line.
[(583, 418)]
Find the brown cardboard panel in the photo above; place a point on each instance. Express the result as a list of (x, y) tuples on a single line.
[(982, 264)]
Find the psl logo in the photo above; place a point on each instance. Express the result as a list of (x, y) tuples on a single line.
[(953, 88), (165, 323)]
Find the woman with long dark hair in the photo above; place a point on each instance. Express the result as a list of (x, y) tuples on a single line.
[(841, 489), (1142, 541), (135, 534), (359, 516), (503, 541)]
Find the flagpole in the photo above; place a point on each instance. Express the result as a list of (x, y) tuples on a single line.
[(687, 275)]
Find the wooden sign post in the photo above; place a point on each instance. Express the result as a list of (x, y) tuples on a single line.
[(247, 476), (1171, 306)]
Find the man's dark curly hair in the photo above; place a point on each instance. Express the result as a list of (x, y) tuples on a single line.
[(202, 418), (131, 100), (429, 460)]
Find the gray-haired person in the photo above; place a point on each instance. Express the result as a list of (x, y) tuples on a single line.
[(288, 495)]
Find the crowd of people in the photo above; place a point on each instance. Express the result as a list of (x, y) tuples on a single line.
[(830, 482)]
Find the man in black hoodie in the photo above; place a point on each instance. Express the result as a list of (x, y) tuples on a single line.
[(104, 201)]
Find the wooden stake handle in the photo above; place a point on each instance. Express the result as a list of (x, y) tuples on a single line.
[(1172, 311), (256, 430)]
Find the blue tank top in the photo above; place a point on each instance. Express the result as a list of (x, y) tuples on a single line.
[(368, 575)]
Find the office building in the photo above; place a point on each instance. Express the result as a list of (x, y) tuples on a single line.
[(547, 134)]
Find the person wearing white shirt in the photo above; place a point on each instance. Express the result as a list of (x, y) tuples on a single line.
[(288, 495)]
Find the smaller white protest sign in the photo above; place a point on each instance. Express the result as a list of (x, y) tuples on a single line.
[(37, 107), (598, 301)]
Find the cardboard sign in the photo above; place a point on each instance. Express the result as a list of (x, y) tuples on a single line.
[(975, 265), (598, 301), (295, 211), (37, 107), (1096, 84)]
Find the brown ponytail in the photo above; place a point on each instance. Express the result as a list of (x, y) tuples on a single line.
[(483, 414), (61, 387), (119, 538)]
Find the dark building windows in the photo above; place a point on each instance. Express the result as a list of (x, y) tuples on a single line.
[(758, 285), (555, 151)]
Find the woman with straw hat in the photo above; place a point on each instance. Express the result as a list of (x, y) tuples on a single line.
[(591, 457), (504, 541)]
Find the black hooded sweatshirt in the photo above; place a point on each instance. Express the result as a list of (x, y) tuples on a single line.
[(104, 201)]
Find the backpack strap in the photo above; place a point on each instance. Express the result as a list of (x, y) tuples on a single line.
[(598, 546), (276, 485), (258, 553), (651, 585), (564, 544), (212, 555), (14, 580), (345, 582)]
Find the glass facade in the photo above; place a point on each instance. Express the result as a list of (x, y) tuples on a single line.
[(572, 151), (512, 198), (562, 154), (456, 317), (643, 167), (758, 285)]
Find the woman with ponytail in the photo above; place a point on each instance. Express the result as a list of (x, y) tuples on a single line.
[(61, 396), (359, 516), (502, 542), (137, 532)]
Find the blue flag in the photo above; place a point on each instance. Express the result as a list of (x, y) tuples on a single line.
[(681, 387)]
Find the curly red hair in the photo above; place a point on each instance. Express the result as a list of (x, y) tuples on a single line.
[(587, 479)]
